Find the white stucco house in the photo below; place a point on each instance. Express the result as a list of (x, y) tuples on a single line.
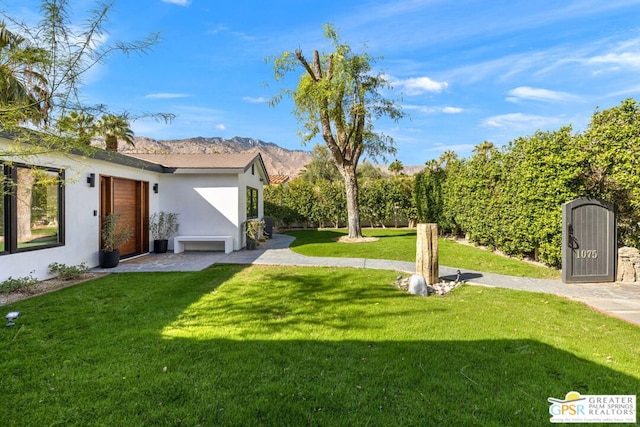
[(52, 204)]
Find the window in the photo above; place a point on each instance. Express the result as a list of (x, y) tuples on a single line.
[(252, 203), (31, 210)]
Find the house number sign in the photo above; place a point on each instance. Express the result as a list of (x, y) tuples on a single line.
[(586, 254)]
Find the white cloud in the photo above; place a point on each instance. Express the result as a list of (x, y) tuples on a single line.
[(408, 130), (178, 2), (519, 121), (452, 110), (623, 56), (537, 94), (622, 60), (221, 126), (432, 110), (166, 95), (258, 100), (420, 85)]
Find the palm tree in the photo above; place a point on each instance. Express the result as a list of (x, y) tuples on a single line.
[(114, 127), (78, 124), (484, 149), (447, 158), (22, 86), (396, 167), (432, 165)]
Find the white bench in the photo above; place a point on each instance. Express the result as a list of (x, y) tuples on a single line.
[(178, 242)]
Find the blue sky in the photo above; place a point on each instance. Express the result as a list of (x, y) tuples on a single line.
[(465, 71)]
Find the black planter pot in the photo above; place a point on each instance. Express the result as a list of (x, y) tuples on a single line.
[(251, 244), (109, 259), (160, 246)]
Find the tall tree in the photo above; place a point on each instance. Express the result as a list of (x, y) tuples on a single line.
[(114, 127), (339, 98)]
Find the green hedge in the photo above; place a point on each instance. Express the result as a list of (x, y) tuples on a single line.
[(509, 198), (383, 201)]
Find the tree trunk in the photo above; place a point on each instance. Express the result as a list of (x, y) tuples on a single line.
[(353, 210), (427, 253), (111, 143)]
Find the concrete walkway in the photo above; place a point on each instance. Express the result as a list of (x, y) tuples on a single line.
[(621, 300)]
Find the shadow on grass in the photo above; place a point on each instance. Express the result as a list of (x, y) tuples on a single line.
[(388, 232), (501, 382), (99, 354), (306, 237), (306, 382)]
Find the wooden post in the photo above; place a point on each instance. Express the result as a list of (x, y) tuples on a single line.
[(427, 253)]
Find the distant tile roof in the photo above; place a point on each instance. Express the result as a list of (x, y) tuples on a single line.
[(278, 179), (200, 161)]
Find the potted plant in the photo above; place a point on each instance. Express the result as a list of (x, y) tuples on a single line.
[(113, 236), (162, 225), (253, 230)]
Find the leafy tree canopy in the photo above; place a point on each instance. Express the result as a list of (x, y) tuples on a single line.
[(43, 66), (321, 167), (339, 98)]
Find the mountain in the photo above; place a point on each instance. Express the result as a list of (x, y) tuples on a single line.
[(278, 160)]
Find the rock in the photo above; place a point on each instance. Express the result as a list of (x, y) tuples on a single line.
[(401, 283), (628, 265), (443, 288), (417, 285)]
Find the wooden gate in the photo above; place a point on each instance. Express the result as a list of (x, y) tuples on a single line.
[(589, 245)]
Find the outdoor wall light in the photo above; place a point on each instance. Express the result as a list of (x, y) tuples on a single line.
[(11, 316), (155, 188), (91, 180)]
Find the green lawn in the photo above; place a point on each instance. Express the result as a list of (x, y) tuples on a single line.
[(400, 245), (302, 346)]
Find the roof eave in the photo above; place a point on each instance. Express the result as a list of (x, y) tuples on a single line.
[(217, 171), (265, 174)]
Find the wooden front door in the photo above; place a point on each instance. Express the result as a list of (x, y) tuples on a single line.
[(130, 199)]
